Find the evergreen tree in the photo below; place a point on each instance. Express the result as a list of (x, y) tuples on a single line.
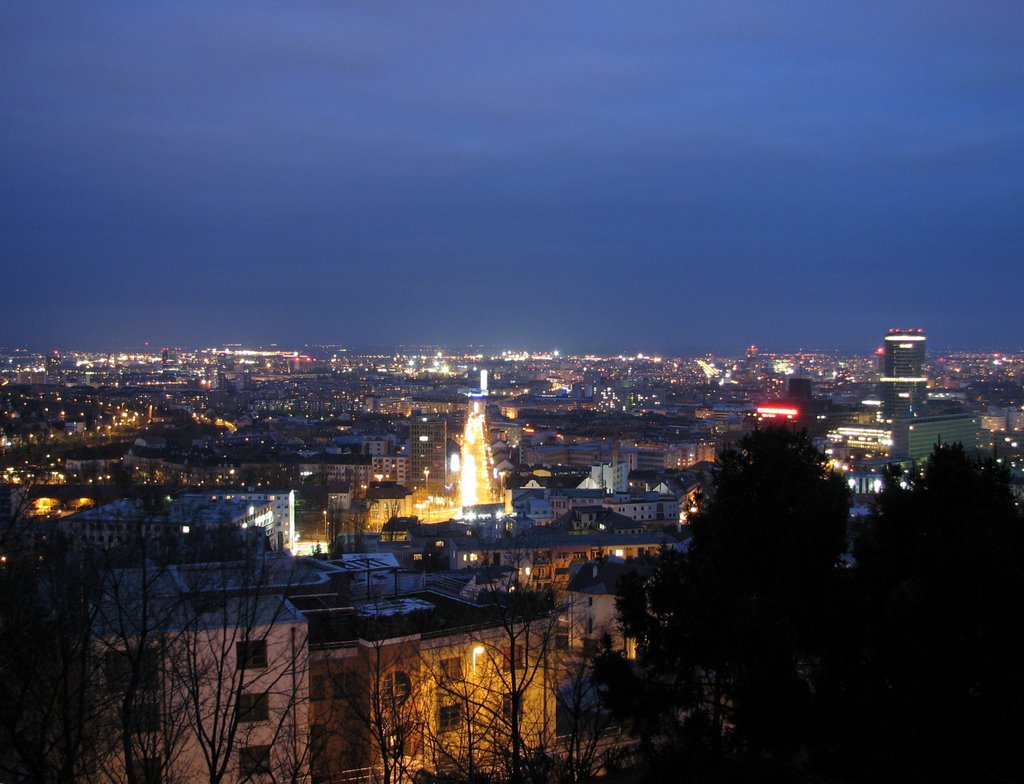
[(940, 585), (732, 630)]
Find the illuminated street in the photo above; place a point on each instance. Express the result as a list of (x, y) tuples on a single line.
[(474, 476)]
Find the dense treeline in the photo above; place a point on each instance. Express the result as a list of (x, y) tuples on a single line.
[(773, 649)]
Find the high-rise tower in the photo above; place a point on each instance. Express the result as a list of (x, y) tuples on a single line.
[(53, 361), (903, 374), (428, 444)]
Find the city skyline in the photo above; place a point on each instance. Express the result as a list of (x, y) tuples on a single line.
[(491, 351), (667, 179)]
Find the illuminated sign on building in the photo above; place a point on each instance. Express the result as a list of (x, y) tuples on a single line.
[(777, 412)]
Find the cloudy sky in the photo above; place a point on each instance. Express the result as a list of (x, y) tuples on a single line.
[(580, 175)]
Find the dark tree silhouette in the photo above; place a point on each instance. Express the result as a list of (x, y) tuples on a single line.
[(731, 631), (46, 671), (940, 586)]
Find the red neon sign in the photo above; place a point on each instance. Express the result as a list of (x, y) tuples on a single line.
[(775, 411)]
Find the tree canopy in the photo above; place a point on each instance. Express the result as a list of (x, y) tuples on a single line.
[(940, 588), (767, 651), (728, 628)]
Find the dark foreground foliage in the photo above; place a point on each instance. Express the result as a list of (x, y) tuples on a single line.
[(766, 655)]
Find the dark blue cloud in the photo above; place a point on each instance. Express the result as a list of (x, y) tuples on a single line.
[(583, 173)]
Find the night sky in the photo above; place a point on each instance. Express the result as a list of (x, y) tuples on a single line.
[(669, 177)]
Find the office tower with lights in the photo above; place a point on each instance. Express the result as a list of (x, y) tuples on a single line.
[(53, 362), (428, 443), (903, 374)]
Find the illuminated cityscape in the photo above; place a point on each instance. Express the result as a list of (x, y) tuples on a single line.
[(422, 420), (414, 487), (530, 393)]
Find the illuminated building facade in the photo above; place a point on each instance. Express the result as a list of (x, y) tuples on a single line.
[(390, 468), (434, 702), (428, 442), (234, 676), (282, 529), (817, 417), (915, 438), (860, 441), (591, 608), (903, 374)]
